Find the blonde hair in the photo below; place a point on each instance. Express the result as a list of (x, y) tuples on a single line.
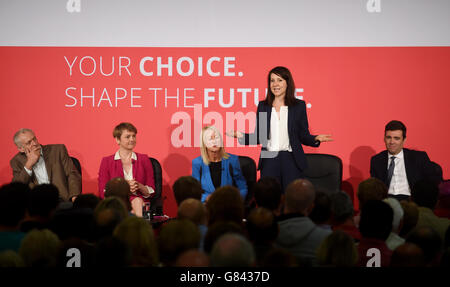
[(40, 248), (204, 149), (138, 234)]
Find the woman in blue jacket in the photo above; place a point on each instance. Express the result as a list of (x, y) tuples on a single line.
[(216, 168)]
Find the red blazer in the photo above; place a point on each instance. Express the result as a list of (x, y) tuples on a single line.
[(110, 168)]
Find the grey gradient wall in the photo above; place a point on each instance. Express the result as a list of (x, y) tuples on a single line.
[(225, 23)]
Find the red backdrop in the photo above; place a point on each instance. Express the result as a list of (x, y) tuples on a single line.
[(353, 93)]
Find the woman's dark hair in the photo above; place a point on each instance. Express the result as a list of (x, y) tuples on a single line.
[(284, 73)]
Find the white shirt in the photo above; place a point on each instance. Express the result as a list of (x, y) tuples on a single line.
[(399, 182), (279, 137), (129, 175), (39, 170)]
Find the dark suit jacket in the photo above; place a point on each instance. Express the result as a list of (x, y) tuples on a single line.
[(298, 131), (417, 165), (60, 169)]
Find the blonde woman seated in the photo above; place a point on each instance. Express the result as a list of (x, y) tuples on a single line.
[(216, 168), (134, 167)]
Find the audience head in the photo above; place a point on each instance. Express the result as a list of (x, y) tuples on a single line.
[(187, 187), (341, 207), (321, 213), (218, 229), (211, 140), (193, 210), (444, 195), (232, 250), (175, 237), (262, 226), (43, 200), (225, 204), (429, 241), (279, 257), (120, 188), (40, 248), (10, 258), (407, 255), (410, 217), (112, 252), (192, 258), (371, 189), (425, 193), (337, 250), (108, 214), (87, 200), (299, 197), (397, 212), (13, 199), (376, 220), (267, 192), (138, 235)]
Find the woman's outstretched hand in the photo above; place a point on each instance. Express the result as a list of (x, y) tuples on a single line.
[(324, 138), (234, 134)]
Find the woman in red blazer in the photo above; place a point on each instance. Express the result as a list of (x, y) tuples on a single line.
[(134, 167)]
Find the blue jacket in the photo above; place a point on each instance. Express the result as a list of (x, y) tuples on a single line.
[(200, 171)]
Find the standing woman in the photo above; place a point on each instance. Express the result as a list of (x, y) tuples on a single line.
[(216, 168), (135, 168), (281, 128)]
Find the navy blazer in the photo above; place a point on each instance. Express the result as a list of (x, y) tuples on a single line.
[(417, 165), (201, 172), (298, 131)]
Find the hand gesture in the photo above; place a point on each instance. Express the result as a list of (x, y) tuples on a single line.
[(234, 134), (134, 186), (324, 138), (33, 153)]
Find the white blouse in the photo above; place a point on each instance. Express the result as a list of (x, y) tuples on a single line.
[(279, 137), (129, 175)]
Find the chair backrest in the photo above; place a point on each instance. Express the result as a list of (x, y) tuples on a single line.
[(248, 168), (156, 202), (324, 171), (437, 172), (76, 163)]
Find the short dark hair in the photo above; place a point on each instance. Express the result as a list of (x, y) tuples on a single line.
[(87, 200), (321, 212), (117, 132), (267, 192), (371, 189), (284, 73), (43, 199), (395, 126), (187, 187), (376, 220), (13, 199), (225, 204)]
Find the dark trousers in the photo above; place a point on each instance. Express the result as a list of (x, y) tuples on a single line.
[(282, 166), (400, 197)]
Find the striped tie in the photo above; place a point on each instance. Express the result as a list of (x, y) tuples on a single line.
[(390, 171)]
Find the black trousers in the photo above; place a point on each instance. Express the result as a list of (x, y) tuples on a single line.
[(282, 166), (400, 197)]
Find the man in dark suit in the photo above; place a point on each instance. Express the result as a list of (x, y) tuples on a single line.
[(37, 164), (398, 167)]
